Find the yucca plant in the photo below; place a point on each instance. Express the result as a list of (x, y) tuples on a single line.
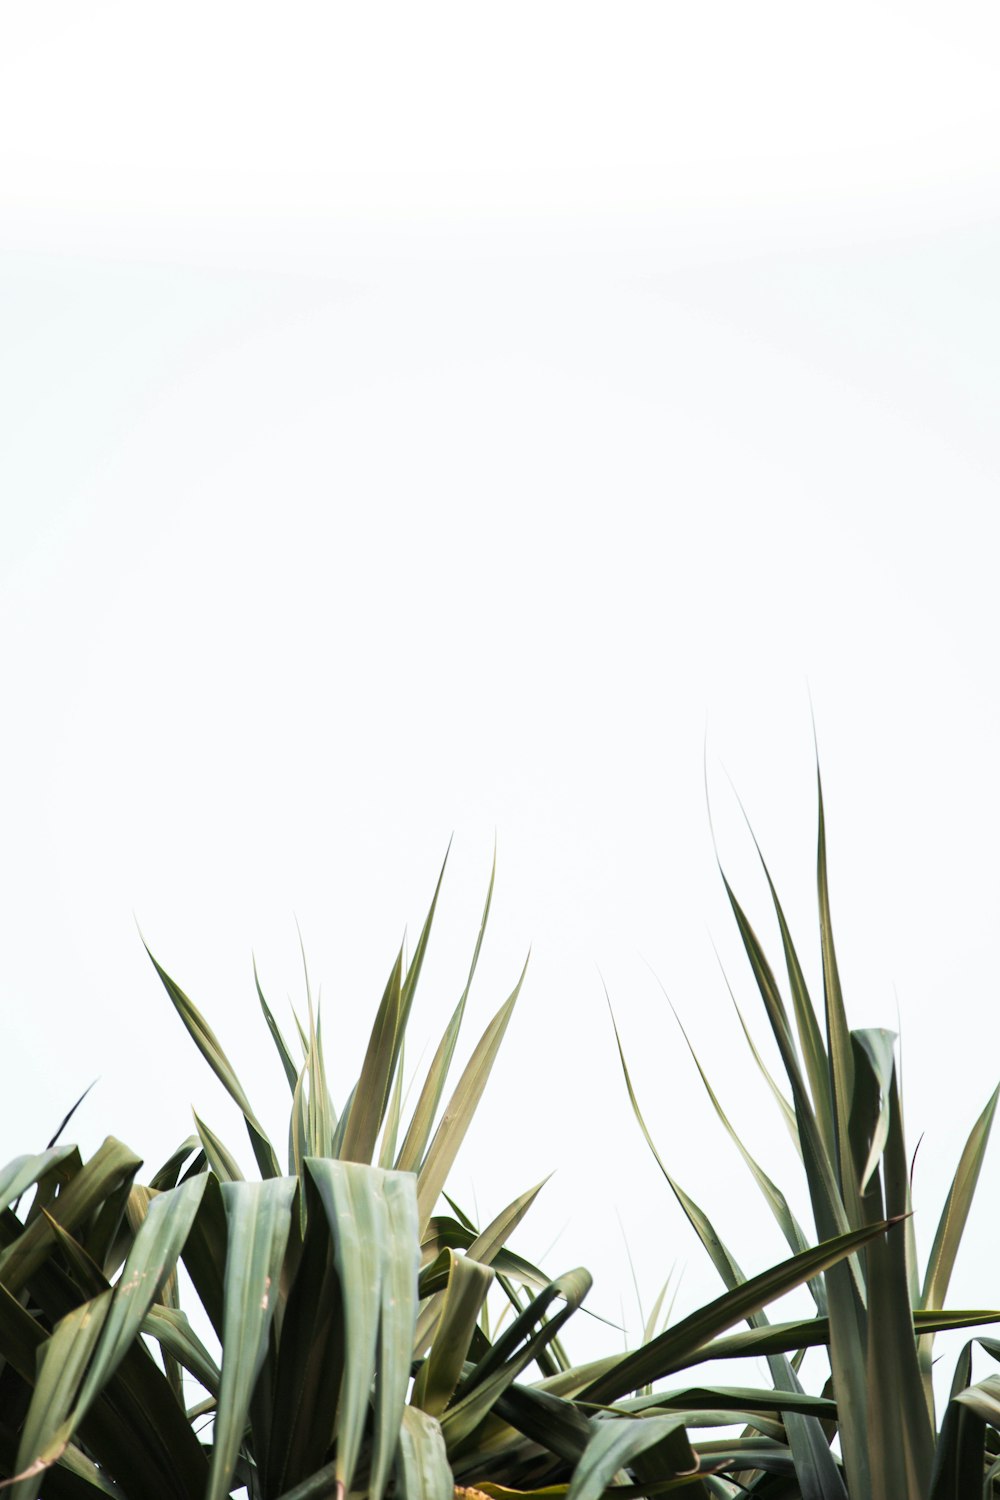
[(874, 1314), (359, 1354)]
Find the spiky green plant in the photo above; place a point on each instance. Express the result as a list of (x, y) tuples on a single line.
[(358, 1354), (876, 1318)]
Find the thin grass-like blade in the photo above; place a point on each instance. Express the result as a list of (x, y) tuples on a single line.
[(219, 1158), (321, 1121), (422, 1121), (210, 1047), (773, 1196), (681, 1344), (832, 1181), (458, 1115), (390, 1130), (837, 1031), (366, 1111), (419, 953), (818, 1474), (287, 1062), (810, 1035), (787, 1111), (259, 1218), (783, 1338), (951, 1226)]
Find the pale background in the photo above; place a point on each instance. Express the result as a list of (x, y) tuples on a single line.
[(431, 419)]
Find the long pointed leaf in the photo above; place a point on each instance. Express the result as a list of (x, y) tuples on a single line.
[(210, 1047), (679, 1345), (259, 1219), (459, 1113), (421, 1124)]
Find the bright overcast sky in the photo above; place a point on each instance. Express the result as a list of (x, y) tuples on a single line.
[(423, 419)]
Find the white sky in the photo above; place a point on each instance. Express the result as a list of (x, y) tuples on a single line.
[(431, 418)]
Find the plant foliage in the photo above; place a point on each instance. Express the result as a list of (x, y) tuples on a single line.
[(341, 1332)]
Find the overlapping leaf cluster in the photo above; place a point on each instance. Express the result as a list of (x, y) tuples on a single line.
[(363, 1350), (876, 1317)]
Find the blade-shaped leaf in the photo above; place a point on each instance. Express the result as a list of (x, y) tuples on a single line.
[(457, 1314), (109, 1171), (287, 1063), (422, 1469), (372, 1218), (421, 1124), (150, 1261), (219, 1158), (210, 1047), (679, 1345), (615, 1443), (370, 1097), (458, 1115), (173, 1332), (951, 1225), (47, 1426), (24, 1171), (397, 1323), (259, 1218)]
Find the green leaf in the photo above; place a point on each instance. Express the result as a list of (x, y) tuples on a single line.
[(111, 1168), (773, 1196), (259, 1219), (468, 1284), (390, 1131), (900, 1436), (681, 1344), (222, 1162), (459, 1113), (877, 1044), (484, 1247), (24, 1171), (951, 1226), (372, 1218), (422, 1469), (47, 1426), (616, 1443), (168, 1174), (150, 1261), (810, 1035), (287, 1063), (370, 1096), (210, 1047), (173, 1332), (397, 1323), (414, 1146), (525, 1340)]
